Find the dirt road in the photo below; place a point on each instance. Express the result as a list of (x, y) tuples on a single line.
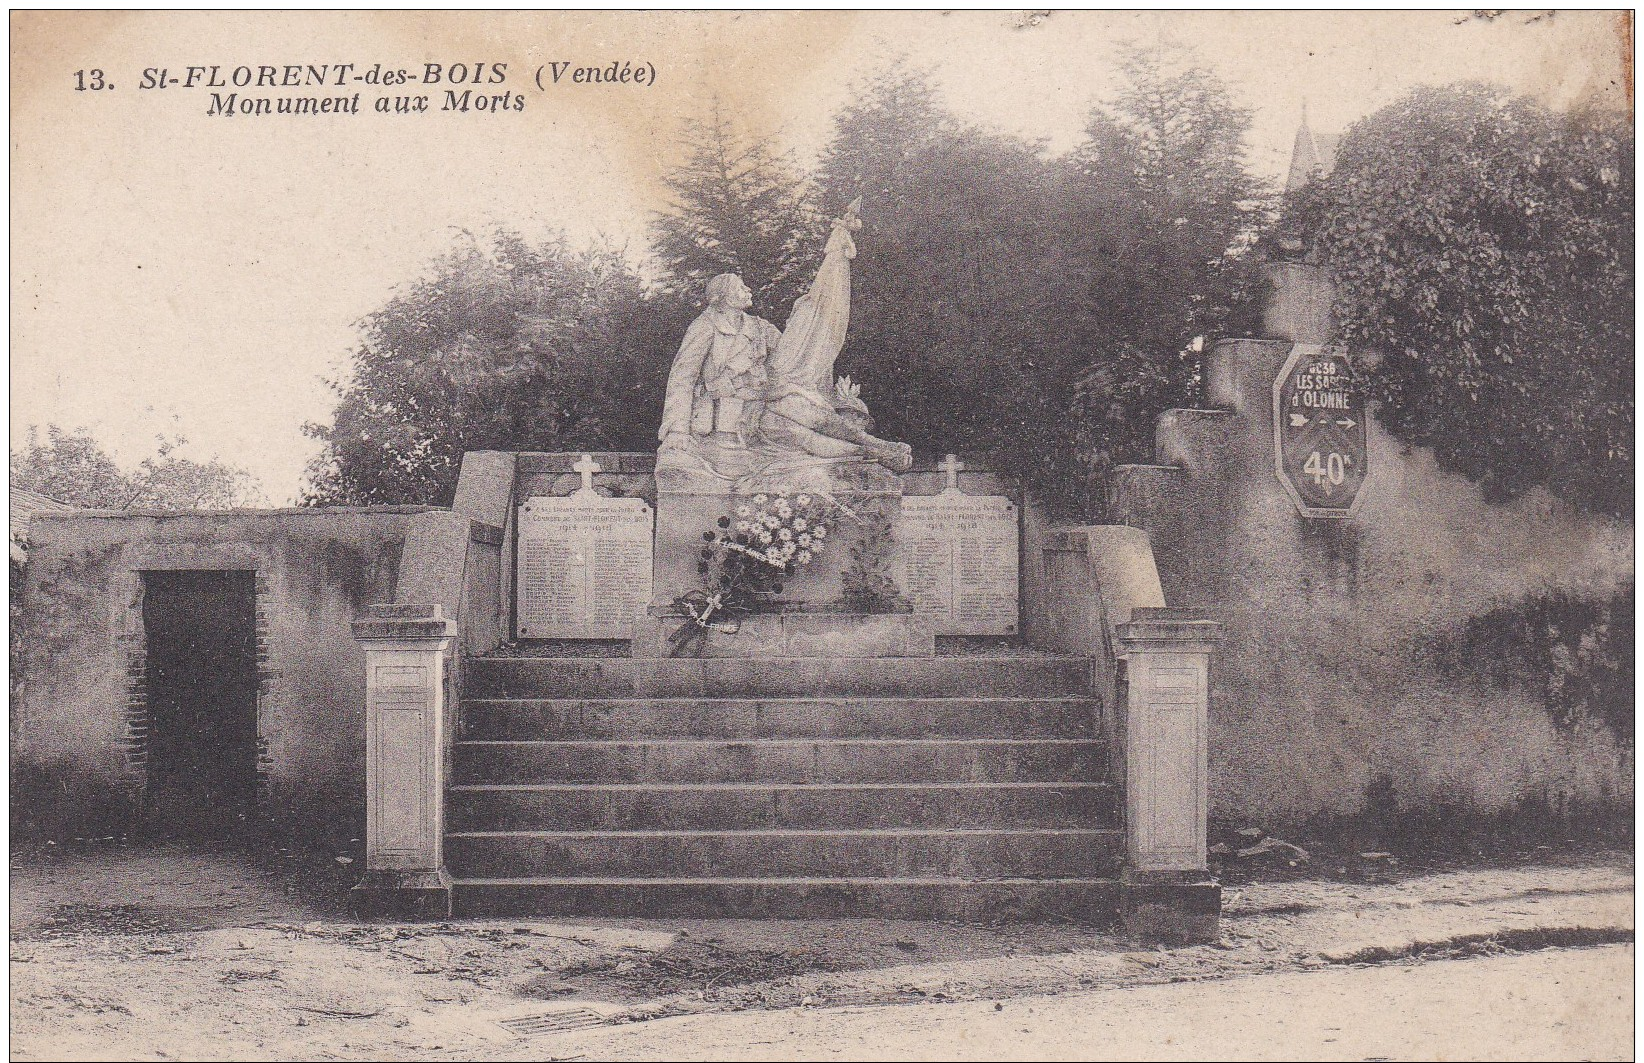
[(1562, 1004), (143, 954)]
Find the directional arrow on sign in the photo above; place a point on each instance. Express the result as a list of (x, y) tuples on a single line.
[(1321, 448)]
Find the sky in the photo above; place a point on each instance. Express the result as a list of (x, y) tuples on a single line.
[(181, 273)]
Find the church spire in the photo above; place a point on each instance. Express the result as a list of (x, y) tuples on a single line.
[(1311, 156)]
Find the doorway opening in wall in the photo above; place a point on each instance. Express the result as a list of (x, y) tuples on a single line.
[(201, 635)]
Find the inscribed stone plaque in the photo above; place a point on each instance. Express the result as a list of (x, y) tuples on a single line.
[(584, 566), (957, 561)]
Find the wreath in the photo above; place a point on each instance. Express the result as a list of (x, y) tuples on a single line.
[(745, 557)]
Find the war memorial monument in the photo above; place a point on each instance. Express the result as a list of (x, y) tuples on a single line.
[(774, 669)]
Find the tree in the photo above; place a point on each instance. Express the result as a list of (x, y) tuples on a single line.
[(1032, 308), (895, 115), (1004, 302), (504, 345), (1482, 246), (954, 286), (738, 207), (71, 466), (1162, 212)]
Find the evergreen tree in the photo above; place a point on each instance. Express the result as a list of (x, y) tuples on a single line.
[(952, 288), (895, 114), (1162, 211), (738, 207), (1036, 309)]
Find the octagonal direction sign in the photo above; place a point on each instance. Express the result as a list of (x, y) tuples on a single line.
[(1320, 444)]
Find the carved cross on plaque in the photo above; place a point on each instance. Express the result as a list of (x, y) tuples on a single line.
[(953, 467), (587, 466)]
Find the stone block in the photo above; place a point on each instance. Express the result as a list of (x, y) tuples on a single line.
[(984, 854), (402, 895), (1094, 576), (681, 519), (1170, 908), (588, 719), (403, 621), (562, 463), (781, 761), (621, 475), (929, 480), (1081, 901), (1199, 442), (485, 487), (754, 806), (1239, 375), (1300, 307), (934, 677), (797, 634), (859, 635), (431, 565)]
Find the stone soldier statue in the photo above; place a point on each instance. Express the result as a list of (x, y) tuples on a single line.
[(717, 384), (745, 400)]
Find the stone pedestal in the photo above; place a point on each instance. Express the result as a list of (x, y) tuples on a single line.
[(405, 654), (685, 508), (689, 505), (1166, 892)]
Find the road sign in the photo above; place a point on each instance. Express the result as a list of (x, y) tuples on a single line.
[(1320, 445)]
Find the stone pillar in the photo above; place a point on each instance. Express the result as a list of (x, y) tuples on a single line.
[(1299, 304), (1165, 892), (405, 715)]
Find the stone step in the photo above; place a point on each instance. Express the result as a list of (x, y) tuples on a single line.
[(782, 761), (752, 806), (618, 718), (1077, 900), (974, 854), (618, 677)]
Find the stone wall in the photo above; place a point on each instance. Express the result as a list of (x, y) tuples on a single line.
[(80, 726), (1339, 686)]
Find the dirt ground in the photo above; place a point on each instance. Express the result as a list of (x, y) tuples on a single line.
[(129, 952), (1558, 1004)]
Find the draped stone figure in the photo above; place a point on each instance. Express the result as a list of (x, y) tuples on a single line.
[(747, 404)]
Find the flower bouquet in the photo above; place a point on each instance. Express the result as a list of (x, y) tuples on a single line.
[(766, 538)]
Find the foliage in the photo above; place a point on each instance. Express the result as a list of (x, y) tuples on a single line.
[(951, 292), (71, 466), (739, 207), (1483, 245), (1162, 212), (1041, 310), (1575, 654), (505, 345), (1035, 310), (868, 583)]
